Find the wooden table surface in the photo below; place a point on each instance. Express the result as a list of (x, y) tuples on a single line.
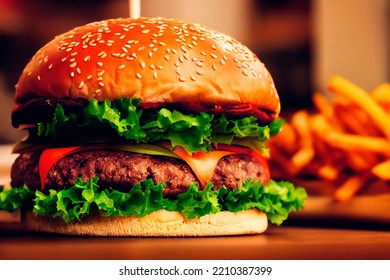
[(285, 242)]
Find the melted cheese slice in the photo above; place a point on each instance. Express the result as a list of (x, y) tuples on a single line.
[(202, 163)]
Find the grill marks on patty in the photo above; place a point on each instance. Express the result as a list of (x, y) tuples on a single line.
[(121, 170)]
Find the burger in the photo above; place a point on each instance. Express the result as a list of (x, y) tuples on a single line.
[(146, 127)]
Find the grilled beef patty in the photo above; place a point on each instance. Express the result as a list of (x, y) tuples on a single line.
[(121, 170)]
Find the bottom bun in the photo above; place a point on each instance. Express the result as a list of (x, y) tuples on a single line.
[(161, 223)]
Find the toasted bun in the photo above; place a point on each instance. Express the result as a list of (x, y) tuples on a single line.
[(156, 59), (160, 223)]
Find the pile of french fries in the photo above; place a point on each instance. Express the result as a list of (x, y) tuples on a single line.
[(345, 141)]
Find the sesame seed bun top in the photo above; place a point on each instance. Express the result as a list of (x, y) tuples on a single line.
[(156, 59)]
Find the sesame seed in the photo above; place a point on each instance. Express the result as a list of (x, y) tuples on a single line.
[(194, 59), (121, 66), (81, 84), (203, 53), (181, 59), (89, 77), (199, 72), (78, 71), (121, 37), (155, 75), (63, 59), (177, 63), (134, 55), (129, 58), (168, 50), (184, 49), (116, 54), (151, 45), (72, 59), (72, 74), (213, 55), (124, 49), (87, 58), (214, 66), (178, 72), (182, 79), (150, 54), (29, 74), (142, 64), (73, 54), (244, 65), (245, 72), (160, 67), (138, 75), (39, 78), (213, 47), (166, 57), (101, 53), (141, 48), (99, 63), (69, 49), (50, 66), (85, 46), (101, 84), (223, 62), (161, 43), (98, 91), (73, 65), (174, 51), (186, 56), (145, 31), (101, 73), (192, 78), (199, 63)]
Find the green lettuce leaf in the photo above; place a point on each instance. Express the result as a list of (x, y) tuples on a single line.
[(12, 199), (276, 199), (127, 120)]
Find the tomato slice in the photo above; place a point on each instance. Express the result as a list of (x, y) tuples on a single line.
[(49, 157)]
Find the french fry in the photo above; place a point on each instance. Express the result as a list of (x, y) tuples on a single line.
[(288, 139), (353, 120), (381, 94), (329, 172), (350, 91), (382, 170), (346, 140), (322, 105), (305, 154), (350, 187), (354, 143)]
